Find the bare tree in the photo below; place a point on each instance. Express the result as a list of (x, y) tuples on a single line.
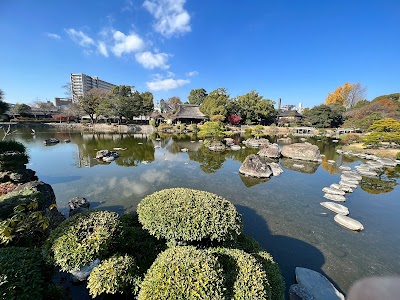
[(354, 95)]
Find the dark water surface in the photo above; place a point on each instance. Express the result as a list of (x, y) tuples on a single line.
[(282, 213)]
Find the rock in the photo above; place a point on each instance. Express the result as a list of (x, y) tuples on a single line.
[(352, 174), (349, 223), (349, 184), (78, 205), (216, 146), (275, 168), (367, 173), (84, 272), (299, 292), (255, 143), (287, 140), (317, 285), (345, 168), (345, 188), (271, 151), (102, 153), (108, 158), (335, 207), (51, 141), (235, 147), (349, 178), (184, 150), (299, 165), (388, 162), (330, 161), (229, 141), (21, 176), (333, 197), (330, 190), (302, 151), (255, 166)]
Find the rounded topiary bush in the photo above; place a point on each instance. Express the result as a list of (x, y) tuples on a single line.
[(82, 239), (186, 215), (12, 155), (118, 274), (22, 274), (183, 273)]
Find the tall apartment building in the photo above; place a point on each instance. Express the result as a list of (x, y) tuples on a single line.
[(81, 84)]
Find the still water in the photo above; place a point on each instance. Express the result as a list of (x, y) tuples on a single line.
[(282, 213)]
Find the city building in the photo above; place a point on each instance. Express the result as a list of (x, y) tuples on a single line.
[(81, 84), (60, 102)]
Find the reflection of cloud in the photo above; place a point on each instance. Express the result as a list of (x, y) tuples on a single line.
[(152, 176)]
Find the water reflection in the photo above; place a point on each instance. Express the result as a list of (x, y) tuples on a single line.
[(302, 166)]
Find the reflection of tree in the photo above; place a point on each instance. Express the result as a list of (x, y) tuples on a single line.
[(393, 172), (137, 150), (252, 181), (377, 185), (209, 161), (330, 168)]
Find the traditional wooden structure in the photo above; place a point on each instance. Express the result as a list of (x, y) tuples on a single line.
[(286, 118), (188, 114)]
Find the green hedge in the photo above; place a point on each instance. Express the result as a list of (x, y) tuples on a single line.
[(245, 277), (186, 215), (183, 273), (23, 275), (118, 274), (81, 239)]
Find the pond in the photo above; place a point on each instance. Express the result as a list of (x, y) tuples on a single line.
[(283, 213)]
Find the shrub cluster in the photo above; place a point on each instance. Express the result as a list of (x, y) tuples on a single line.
[(12, 156), (117, 274), (187, 215), (82, 239), (183, 273)]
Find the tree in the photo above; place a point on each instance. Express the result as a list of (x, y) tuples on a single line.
[(22, 109), (347, 95), (385, 130), (197, 96), (47, 107), (91, 102), (320, 116), (253, 108), (67, 89), (3, 106), (148, 103), (234, 119), (174, 103), (215, 103)]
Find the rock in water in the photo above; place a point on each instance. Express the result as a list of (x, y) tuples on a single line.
[(255, 166), (302, 151), (317, 285), (349, 223), (331, 190), (335, 207), (271, 151), (276, 169), (333, 197), (298, 292)]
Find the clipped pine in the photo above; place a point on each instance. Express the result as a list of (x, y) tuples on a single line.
[(82, 239), (118, 274), (187, 215), (12, 156), (245, 277), (183, 272)]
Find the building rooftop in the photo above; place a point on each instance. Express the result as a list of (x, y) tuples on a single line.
[(189, 111)]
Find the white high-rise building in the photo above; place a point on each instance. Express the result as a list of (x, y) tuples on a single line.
[(81, 84)]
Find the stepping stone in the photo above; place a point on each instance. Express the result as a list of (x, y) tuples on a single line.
[(331, 161), (345, 188), (330, 190), (332, 197), (317, 284), (350, 178), (349, 184), (335, 207), (345, 168), (349, 223)]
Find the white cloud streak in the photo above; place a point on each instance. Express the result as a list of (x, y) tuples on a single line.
[(53, 36), (166, 84), (171, 18), (125, 44), (101, 46), (192, 73), (80, 37), (152, 60)]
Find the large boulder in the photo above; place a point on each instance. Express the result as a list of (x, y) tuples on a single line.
[(78, 205), (32, 191), (21, 176), (255, 166), (302, 151), (255, 143), (217, 146), (271, 151)]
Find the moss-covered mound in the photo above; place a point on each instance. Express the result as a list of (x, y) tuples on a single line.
[(186, 215), (118, 274), (81, 239), (183, 273)]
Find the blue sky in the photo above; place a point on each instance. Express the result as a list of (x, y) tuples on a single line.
[(290, 49)]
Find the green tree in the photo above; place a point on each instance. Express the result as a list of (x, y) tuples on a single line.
[(212, 129), (22, 109), (91, 102), (197, 96), (321, 116), (215, 103), (148, 103), (253, 108), (3, 105)]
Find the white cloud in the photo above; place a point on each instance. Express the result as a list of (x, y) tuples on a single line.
[(166, 84), (102, 48), (53, 36), (79, 37), (192, 73), (171, 17), (151, 61), (126, 43)]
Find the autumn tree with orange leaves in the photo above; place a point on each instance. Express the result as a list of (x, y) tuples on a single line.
[(346, 95)]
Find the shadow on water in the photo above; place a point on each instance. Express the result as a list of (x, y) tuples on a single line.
[(288, 252)]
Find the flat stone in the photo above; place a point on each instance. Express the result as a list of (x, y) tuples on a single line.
[(333, 197), (275, 168), (331, 161), (317, 285), (299, 292), (302, 151), (345, 168), (330, 190), (335, 207), (349, 184), (349, 223)]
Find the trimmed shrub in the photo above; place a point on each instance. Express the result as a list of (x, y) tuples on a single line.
[(12, 156), (245, 277), (23, 275), (351, 138), (11, 146), (118, 274), (183, 273), (82, 239), (186, 215)]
